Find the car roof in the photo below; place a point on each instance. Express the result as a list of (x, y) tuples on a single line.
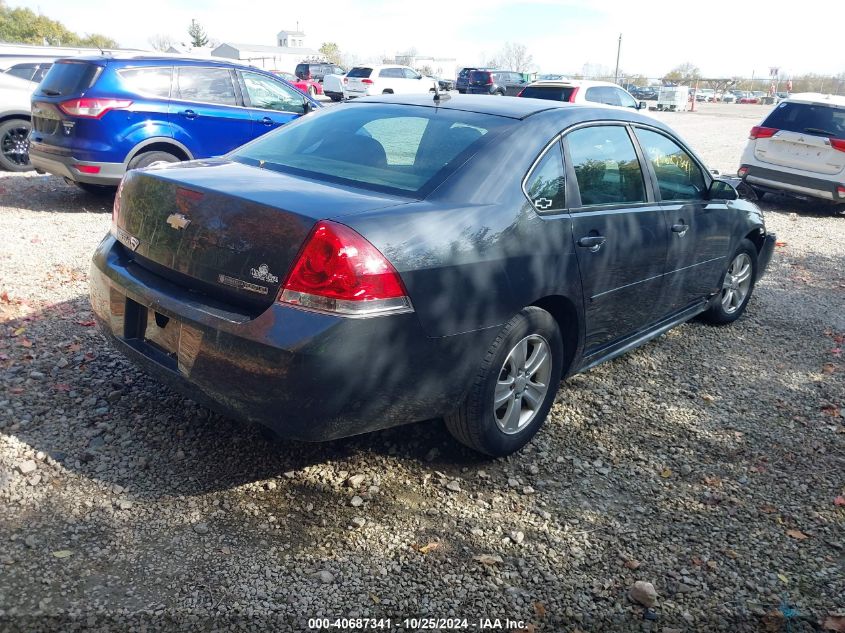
[(583, 83), (158, 59), (482, 104), (816, 98)]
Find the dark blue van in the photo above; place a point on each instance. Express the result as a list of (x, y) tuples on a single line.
[(93, 118)]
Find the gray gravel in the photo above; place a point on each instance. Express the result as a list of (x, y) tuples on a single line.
[(706, 463)]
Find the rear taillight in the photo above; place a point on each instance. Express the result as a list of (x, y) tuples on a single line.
[(758, 131), (339, 271), (840, 191), (346, 80), (369, 82), (838, 143), (742, 171), (572, 96), (520, 92), (92, 108)]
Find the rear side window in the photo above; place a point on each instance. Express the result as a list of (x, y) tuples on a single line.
[(360, 72), (808, 118), (24, 71), (391, 73), (545, 184), (205, 85), (678, 175), (553, 93), (606, 165), (147, 81), (67, 78), (384, 147)]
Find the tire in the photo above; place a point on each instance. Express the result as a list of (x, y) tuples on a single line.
[(499, 432), (758, 192), (312, 91), (387, 92), (14, 145), (145, 159), (737, 286), (96, 190), (335, 98)]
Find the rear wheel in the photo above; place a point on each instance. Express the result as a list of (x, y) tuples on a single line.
[(148, 158), (514, 388), (387, 92), (737, 285), (14, 145), (312, 91)]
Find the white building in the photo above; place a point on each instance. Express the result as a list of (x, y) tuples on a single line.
[(290, 51)]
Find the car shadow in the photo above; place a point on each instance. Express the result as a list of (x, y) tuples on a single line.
[(47, 193)]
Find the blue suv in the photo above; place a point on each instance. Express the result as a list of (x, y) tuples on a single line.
[(93, 118)]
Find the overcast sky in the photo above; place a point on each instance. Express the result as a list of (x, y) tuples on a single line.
[(721, 38)]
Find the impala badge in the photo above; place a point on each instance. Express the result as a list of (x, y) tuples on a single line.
[(133, 243), (263, 273), (178, 221)]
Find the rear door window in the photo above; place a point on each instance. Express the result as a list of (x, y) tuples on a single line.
[(24, 71), (544, 185), (678, 176), (147, 81), (69, 77), (807, 118), (606, 166), (205, 85)]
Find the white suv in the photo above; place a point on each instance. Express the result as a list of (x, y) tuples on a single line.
[(362, 81), (582, 91), (799, 148)]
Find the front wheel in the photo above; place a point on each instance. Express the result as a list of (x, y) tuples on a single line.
[(515, 386), (737, 285), (312, 91)]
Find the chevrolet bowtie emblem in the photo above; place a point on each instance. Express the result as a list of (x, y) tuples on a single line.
[(178, 221)]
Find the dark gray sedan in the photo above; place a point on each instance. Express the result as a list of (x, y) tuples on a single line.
[(405, 258)]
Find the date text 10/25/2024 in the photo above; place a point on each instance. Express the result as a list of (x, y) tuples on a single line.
[(418, 624)]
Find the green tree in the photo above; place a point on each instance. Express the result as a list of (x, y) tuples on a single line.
[(23, 26), (331, 52), (684, 74), (197, 35)]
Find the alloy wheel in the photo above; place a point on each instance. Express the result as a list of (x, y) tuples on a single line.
[(737, 283), (522, 384), (15, 145)]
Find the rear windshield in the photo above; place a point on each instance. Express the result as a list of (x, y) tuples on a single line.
[(67, 78), (479, 76), (302, 70), (393, 148), (553, 93), (807, 118), (465, 72), (360, 71)]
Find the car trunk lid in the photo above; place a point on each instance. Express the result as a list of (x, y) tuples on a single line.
[(227, 230)]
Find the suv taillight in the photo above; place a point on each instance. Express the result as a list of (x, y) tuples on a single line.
[(92, 108), (573, 93), (758, 131), (339, 271), (369, 82), (838, 143)]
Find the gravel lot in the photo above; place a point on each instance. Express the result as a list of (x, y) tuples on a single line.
[(707, 463)]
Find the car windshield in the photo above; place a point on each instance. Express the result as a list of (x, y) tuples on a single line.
[(393, 148), (822, 120), (553, 93)]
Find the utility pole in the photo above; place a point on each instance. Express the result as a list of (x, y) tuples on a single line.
[(618, 51)]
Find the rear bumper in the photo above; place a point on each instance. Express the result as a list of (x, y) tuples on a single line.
[(66, 166), (305, 375), (782, 181)]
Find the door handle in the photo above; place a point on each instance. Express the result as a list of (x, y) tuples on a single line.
[(680, 229), (592, 242), (189, 114), (267, 121)]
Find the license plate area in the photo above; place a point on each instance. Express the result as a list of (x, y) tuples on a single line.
[(166, 340)]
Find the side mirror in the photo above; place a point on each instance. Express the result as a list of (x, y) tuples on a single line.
[(721, 190), (307, 107), (642, 105)]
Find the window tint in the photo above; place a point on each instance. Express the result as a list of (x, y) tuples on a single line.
[(603, 94), (805, 117), (360, 71), (553, 93), (150, 81), (545, 184), (24, 71), (480, 77), (377, 147), (678, 175), (267, 94), (606, 165), (66, 78), (410, 74), (206, 85)]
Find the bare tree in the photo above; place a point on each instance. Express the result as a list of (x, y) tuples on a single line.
[(513, 56), (161, 42)]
